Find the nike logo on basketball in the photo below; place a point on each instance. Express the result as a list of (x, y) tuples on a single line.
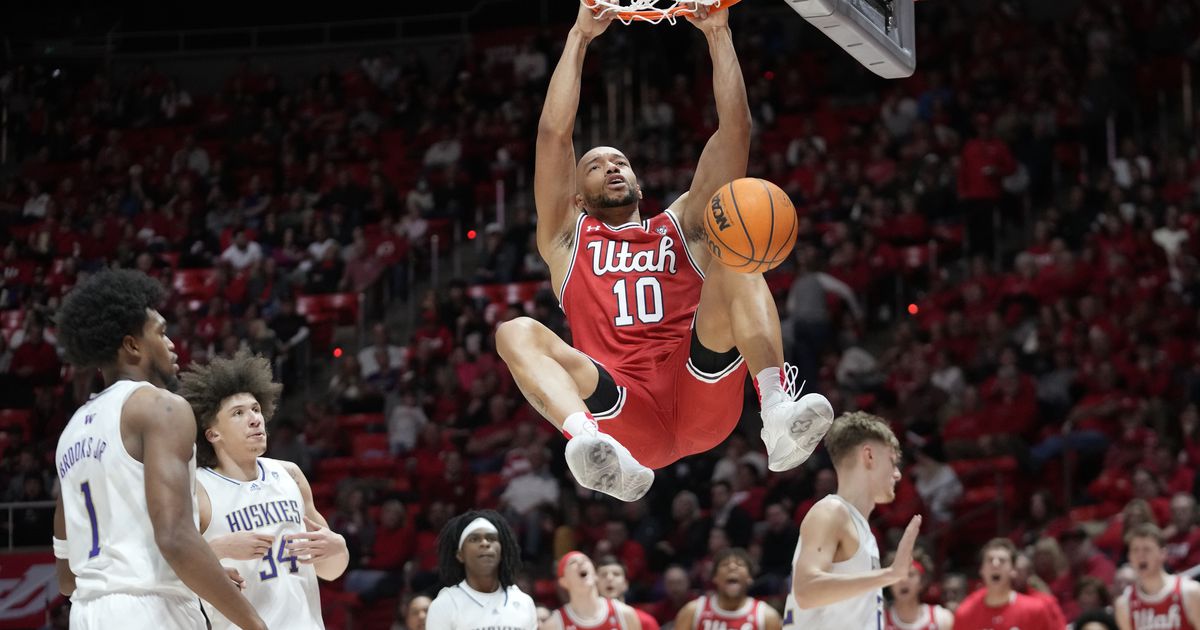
[(614, 257)]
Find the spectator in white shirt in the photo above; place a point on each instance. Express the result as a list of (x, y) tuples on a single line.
[(191, 157), (444, 152), (242, 252)]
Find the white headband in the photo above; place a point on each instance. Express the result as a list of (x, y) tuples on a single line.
[(479, 524)]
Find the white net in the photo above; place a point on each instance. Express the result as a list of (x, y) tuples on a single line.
[(652, 11)]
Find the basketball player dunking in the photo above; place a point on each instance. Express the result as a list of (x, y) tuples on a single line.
[(586, 609), (257, 513), (837, 581), (661, 334), (125, 536), (1157, 600), (730, 607)]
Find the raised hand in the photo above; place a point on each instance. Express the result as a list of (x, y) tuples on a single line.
[(588, 24), (904, 551)]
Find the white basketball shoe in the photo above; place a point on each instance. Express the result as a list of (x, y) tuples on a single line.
[(793, 428), (601, 463)]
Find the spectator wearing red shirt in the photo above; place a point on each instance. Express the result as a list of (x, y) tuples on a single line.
[(617, 542), (1182, 534), (35, 360), (391, 548), (984, 162), (1084, 558), (997, 605), (677, 592)]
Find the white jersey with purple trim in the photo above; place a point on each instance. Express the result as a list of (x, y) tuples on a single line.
[(281, 589), (864, 611), (110, 539)]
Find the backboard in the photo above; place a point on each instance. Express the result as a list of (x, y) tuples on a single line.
[(880, 34)]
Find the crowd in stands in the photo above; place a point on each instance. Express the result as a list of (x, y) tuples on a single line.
[(980, 261)]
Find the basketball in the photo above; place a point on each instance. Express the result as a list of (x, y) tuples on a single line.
[(750, 225)]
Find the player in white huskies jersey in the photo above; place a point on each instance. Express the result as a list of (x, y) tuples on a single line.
[(128, 552), (837, 581), (257, 513)]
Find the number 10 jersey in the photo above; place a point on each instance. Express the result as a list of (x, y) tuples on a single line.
[(630, 296)]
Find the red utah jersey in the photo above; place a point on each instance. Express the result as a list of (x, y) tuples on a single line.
[(630, 292), (709, 616), (1021, 611), (610, 621), (1163, 612)]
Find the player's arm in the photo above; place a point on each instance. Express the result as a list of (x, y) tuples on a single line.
[(62, 566), (168, 431), (944, 618), (319, 546), (1121, 612), (813, 585), (554, 167), (728, 150), (771, 618), (685, 619), (1191, 601), (628, 617)]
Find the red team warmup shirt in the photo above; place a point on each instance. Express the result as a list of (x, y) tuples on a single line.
[(925, 621), (611, 621), (1164, 612), (1022, 611), (709, 616), (630, 295)]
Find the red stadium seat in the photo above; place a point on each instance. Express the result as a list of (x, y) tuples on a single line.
[(325, 312), (344, 307), (368, 445), (361, 422), (335, 469)]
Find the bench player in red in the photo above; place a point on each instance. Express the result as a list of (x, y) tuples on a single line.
[(729, 606), (661, 335), (1156, 600)]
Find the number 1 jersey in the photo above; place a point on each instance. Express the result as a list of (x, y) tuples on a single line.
[(631, 292), (110, 539), (282, 589)]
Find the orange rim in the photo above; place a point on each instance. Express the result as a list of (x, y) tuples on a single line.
[(675, 12)]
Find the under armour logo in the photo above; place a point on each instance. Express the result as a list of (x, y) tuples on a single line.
[(593, 228), (662, 230)]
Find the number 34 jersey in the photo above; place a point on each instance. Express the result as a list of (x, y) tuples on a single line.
[(110, 539), (281, 588)]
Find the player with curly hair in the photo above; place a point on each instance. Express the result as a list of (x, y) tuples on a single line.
[(257, 513), (124, 531)]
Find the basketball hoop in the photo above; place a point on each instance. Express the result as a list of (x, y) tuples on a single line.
[(629, 11)]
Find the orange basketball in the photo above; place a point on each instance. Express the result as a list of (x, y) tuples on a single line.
[(750, 225)]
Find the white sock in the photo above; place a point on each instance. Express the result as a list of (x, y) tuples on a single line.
[(578, 423), (770, 387)]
